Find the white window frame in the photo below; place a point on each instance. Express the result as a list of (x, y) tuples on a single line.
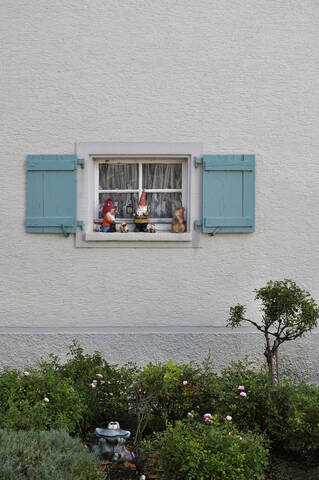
[(87, 186), (161, 223)]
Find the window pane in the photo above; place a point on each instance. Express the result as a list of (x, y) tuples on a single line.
[(162, 205), (162, 175), (126, 203), (118, 176)]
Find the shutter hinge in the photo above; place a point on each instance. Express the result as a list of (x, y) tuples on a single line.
[(197, 162), (80, 224), (198, 224), (65, 233), (80, 161)]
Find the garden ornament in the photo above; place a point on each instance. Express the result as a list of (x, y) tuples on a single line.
[(124, 227), (108, 224), (111, 444), (151, 228), (178, 225), (141, 215)]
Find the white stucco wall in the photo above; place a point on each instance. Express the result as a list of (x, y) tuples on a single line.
[(240, 77)]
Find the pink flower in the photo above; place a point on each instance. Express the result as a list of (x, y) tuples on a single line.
[(93, 385), (99, 375), (243, 394), (229, 418), (208, 418), (241, 387), (26, 373), (94, 381), (185, 382), (190, 414), (240, 438), (46, 399)]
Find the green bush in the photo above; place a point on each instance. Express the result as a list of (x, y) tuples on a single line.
[(222, 395), (191, 450), (292, 422), (287, 413), (45, 456), (39, 401), (79, 400), (110, 399), (166, 392), (86, 392)]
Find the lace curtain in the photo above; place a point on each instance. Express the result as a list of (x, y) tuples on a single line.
[(155, 176), (162, 176), (118, 176)]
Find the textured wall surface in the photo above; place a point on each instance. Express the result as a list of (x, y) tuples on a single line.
[(240, 77)]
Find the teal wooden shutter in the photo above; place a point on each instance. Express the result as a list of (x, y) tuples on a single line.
[(228, 193), (51, 193)]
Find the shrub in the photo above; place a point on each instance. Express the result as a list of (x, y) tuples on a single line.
[(39, 401), (292, 422), (109, 399), (166, 392), (82, 394), (86, 392), (191, 450), (224, 393), (45, 456), (287, 412)]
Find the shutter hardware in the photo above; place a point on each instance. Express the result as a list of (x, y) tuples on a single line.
[(65, 233), (197, 162), (79, 224), (199, 224)]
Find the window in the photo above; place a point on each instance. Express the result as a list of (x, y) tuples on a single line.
[(121, 171), (218, 198), (123, 179)]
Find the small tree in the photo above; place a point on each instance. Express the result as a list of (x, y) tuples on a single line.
[(288, 312)]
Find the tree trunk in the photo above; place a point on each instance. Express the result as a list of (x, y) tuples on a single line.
[(269, 356), (277, 363)]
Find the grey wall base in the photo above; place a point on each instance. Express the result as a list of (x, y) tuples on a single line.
[(299, 359)]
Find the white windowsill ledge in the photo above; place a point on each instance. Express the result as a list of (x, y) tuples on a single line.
[(138, 237)]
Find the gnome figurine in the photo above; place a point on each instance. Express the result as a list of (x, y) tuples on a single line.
[(108, 224), (141, 215)]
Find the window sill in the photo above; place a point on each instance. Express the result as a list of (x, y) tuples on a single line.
[(138, 237)]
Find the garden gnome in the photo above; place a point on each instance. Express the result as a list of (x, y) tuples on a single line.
[(108, 224), (141, 215)]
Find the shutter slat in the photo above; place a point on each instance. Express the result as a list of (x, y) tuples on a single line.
[(51, 162), (215, 222), (50, 221)]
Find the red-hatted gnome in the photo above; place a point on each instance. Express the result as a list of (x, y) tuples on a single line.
[(108, 224), (141, 215)]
